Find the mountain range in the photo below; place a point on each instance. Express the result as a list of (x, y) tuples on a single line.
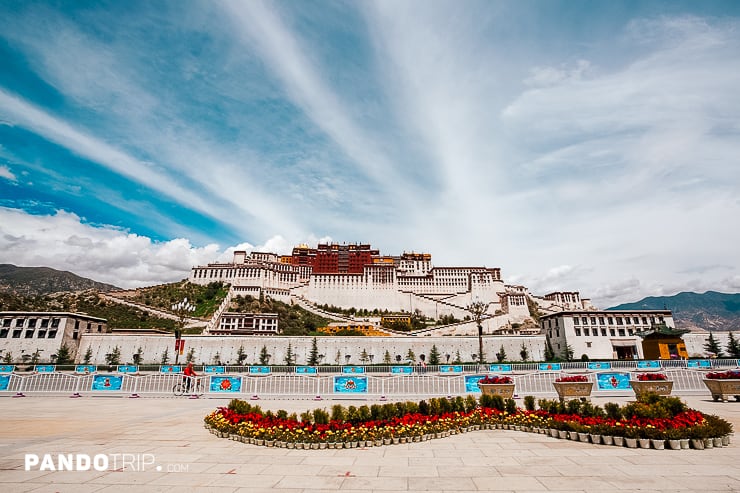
[(41, 281), (710, 310)]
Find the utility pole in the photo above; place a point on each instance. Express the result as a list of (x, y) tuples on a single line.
[(181, 309), (477, 309)]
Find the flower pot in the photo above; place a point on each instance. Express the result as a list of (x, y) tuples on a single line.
[(723, 388), (708, 443), (291, 445), (583, 437), (684, 443), (674, 444), (562, 434), (658, 444), (554, 434), (378, 443), (314, 446), (660, 387), (595, 439), (270, 443), (505, 390), (697, 443), (396, 440), (607, 439), (619, 441), (717, 442), (725, 440), (322, 445), (403, 439), (387, 441), (644, 442), (573, 390), (631, 442)]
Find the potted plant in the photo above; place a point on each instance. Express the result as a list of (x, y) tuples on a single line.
[(573, 387), (656, 383), (723, 384), (497, 385)]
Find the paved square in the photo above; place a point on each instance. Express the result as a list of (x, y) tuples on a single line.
[(180, 455)]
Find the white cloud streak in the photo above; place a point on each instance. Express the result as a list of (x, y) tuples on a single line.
[(7, 174)]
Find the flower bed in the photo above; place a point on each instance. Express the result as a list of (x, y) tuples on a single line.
[(495, 380), (572, 379), (651, 377), (656, 383), (656, 418), (723, 384)]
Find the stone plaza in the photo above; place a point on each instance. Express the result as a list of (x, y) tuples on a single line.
[(160, 444)]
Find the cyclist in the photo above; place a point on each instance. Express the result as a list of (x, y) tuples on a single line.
[(189, 376)]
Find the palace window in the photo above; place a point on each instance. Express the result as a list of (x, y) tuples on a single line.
[(578, 332), (29, 334), (4, 333), (17, 334)]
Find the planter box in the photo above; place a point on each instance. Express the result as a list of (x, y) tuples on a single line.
[(573, 390), (505, 390), (660, 387), (723, 388)]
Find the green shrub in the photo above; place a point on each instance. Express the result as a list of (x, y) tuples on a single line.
[(338, 412), (613, 410), (529, 403), (510, 406), (239, 406)]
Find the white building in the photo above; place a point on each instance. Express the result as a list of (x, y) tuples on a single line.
[(601, 334), (43, 333)]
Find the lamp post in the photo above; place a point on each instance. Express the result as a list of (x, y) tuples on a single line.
[(477, 309), (181, 309)]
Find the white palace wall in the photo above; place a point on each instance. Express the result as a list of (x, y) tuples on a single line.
[(208, 347)]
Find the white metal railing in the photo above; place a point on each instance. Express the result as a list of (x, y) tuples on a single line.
[(285, 385)]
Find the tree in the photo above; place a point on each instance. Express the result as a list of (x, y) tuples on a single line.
[(137, 356), (289, 356), (264, 356), (217, 358), (568, 355), (733, 346), (434, 355), (36, 356), (712, 346), (501, 355), (313, 356), (8, 358), (190, 357), (63, 356), (364, 357), (165, 356), (411, 356), (387, 358), (524, 353), (114, 357), (457, 360), (549, 352), (338, 357), (241, 355), (88, 356)]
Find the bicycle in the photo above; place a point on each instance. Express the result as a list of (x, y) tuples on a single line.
[(196, 388)]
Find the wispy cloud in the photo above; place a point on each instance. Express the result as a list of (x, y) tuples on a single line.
[(7, 174)]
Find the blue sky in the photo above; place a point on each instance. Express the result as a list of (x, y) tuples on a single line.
[(587, 146)]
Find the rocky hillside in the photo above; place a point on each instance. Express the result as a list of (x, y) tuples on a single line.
[(710, 310), (40, 281)]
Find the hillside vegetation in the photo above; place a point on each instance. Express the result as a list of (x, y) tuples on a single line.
[(206, 298), (90, 302), (292, 319), (39, 281)]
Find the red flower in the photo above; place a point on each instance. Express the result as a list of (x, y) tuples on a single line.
[(496, 379), (573, 378), (647, 377), (723, 375)]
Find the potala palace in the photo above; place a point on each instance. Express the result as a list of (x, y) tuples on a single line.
[(356, 276)]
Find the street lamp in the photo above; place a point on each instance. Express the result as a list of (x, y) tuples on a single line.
[(477, 309), (181, 309)]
